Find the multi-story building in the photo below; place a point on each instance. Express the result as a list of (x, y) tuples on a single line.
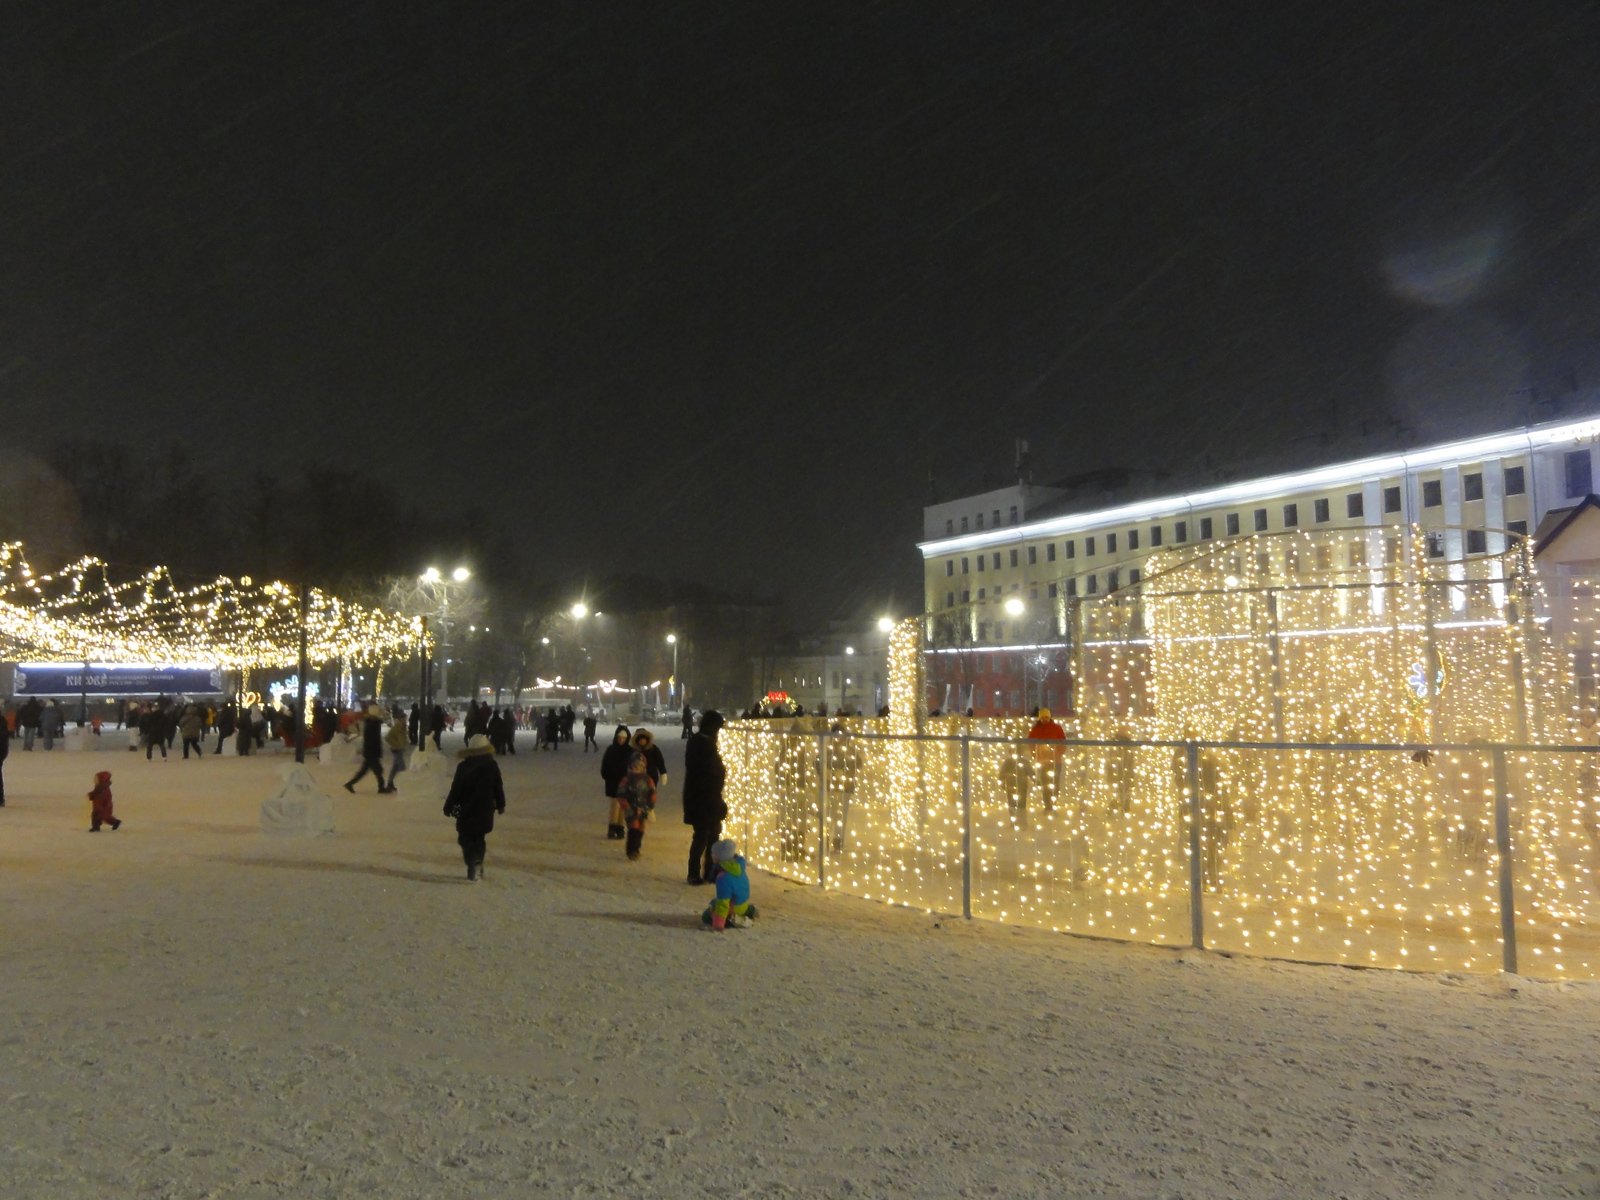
[(1008, 589)]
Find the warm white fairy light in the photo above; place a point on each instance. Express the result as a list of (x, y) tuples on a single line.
[(78, 614), (1372, 858)]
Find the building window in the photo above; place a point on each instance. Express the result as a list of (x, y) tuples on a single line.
[(1111, 543), (1261, 520), (1052, 591), (999, 631), (1391, 499), (1112, 581), (966, 596), (1354, 505), (1358, 554), (1013, 558), (1291, 517), (965, 563), (1033, 593), (1391, 550), (980, 520), (1072, 587), (949, 599), (996, 563), (1232, 524), (963, 524), (1472, 486), (1580, 475), (1477, 543), (1133, 539), (1088, 586), (1013, 514), (983, 561), (1518, 527), (1133, 576), (1205, 529), (949, 566), (1088, 547), (1180, 531), (1033, 555), (1432, 493), (1070, 549), (983, 631), (1049, 553), (1155, 535), (1435, 545), (997, 518), (982, 594), (1515, 483), (1319, 509), (949, 527)]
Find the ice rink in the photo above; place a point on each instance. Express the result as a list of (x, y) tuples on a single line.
[(190, 1008)]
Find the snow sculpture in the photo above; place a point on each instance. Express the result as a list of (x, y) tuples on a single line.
[(299, 808), (426, 777)]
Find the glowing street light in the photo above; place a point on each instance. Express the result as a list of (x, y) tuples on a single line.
[(1014, 606), (885, 624), (672, 691), (431, 575), (440, 587), (849, 649), (461, 574), (580, 610)]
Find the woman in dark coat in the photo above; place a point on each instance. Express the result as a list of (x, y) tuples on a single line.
[(703, 806), (476, 795), (613, 766)]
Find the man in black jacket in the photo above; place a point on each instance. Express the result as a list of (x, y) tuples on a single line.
[(476, 795), (703, 807), (371, 749)]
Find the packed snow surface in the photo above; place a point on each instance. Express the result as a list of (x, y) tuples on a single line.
[(189, 1007)]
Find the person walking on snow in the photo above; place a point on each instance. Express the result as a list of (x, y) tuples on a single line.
[(100, 801), (371, 750), (703, 806), (476, 795), (637, 792), (590, 722), (613, 766), (397, 739), (49, 723), (190, 726)]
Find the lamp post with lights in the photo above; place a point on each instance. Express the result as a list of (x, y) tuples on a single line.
[(672, 690), (438, 587)]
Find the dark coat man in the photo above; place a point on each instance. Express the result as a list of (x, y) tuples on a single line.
[(703, 806), (476, 795), (371, 749)]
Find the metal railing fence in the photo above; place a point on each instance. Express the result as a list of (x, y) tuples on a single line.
[(1428, 856)]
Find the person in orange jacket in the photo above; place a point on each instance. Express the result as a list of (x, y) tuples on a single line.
[(1046, 757), (100, 799)]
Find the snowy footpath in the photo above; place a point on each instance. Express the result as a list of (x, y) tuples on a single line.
[(191, 1008)]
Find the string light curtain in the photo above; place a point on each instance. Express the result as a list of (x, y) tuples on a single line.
[(81, 614), (1374, 858)]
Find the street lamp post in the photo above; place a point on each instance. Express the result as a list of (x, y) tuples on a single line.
[(439, 586), (672, 692)]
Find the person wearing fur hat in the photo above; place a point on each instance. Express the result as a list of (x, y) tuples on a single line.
[(637, 794), (613, 766), (732, 907), (371, 749), (477, 793), (100, 801)]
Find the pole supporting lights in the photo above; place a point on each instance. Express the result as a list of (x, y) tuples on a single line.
[(439, 586), (672, 690)]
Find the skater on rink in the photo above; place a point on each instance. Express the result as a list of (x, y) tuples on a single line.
[(100, 804), (476, 795)]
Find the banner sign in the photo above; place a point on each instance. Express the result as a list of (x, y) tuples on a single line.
[(116, 679)]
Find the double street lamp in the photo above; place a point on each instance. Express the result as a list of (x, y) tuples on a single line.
[(439, 587)]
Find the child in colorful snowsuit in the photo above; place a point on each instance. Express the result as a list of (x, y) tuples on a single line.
[(732, 907), (100, 798), (637, 795)]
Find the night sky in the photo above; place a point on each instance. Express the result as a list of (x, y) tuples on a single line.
[(702, 291)]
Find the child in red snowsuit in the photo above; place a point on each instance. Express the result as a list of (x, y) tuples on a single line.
[(100, 798)]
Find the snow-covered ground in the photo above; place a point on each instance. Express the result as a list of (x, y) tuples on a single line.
[(189, 1008)]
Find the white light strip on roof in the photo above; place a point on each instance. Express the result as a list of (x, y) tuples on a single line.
[(1472, 450), (1287, 634)]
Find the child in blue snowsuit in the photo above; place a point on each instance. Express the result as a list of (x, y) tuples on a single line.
[(732, 906)]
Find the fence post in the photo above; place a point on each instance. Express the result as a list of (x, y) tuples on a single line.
[(966, 825), (822, 810), (1197, 923), (1502, 838)]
